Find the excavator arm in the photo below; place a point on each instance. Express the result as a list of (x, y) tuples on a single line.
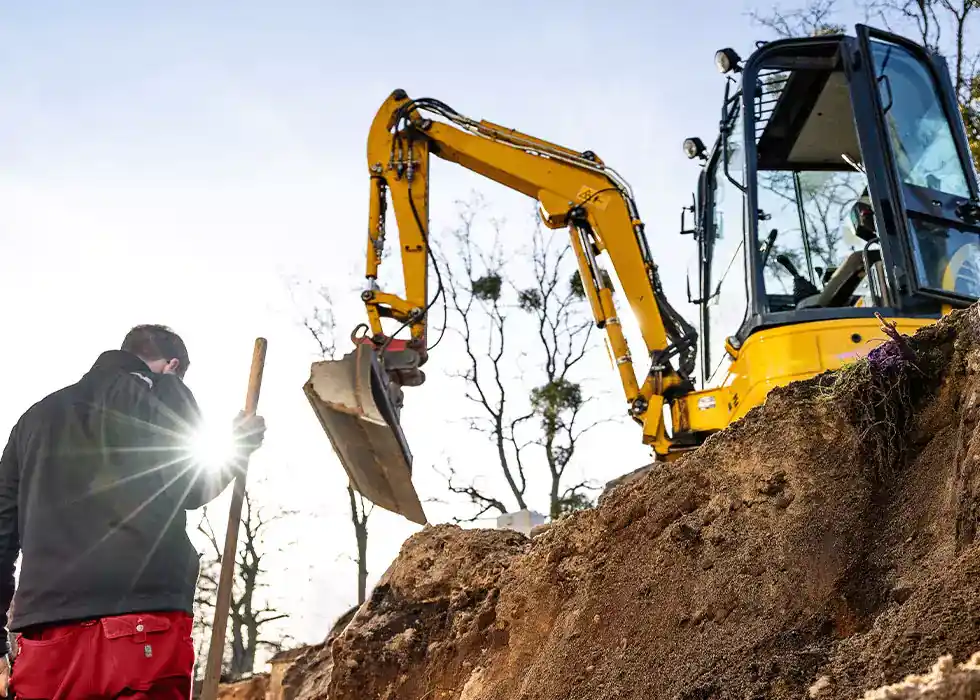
[(574, 190)]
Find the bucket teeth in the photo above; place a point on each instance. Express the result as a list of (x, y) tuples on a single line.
[(358, 407)]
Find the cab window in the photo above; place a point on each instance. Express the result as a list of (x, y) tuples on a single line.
[(920, 135), (947, 257), (815, 229)]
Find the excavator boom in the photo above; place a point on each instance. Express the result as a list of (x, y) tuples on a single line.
[(358, 398)]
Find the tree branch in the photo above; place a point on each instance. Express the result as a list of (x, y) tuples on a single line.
[(478, 498)]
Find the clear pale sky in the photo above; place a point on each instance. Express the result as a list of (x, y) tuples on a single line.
[(175, 162)]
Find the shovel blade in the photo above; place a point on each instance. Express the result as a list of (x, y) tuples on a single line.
[(358, 407)]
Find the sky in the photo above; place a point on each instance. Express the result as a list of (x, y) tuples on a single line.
[(180, 162)]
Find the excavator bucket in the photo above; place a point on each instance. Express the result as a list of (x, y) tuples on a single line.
[(358, 407)]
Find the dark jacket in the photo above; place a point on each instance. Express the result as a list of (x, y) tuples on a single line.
[(94, 484)]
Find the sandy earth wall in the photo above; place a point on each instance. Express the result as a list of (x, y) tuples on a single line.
[(823, 546)]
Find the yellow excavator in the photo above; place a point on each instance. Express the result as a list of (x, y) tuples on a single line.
[(840, 186)]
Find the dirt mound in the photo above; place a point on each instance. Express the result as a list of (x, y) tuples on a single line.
[(822, 546)]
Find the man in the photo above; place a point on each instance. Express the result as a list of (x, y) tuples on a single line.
[(94, 483)]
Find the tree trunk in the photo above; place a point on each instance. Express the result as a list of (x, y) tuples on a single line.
[(359, 518), (549, 452), (362, 572), (251, 646), (555, 500), (238, 667), (505, 464)]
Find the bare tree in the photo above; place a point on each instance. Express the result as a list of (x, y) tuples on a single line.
[(321, 323), (812, 19), (556, 301), (474, 284), (251, 613), (490, 306), (921, 14)]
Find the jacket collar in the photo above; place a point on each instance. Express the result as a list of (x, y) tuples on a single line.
[(122, 361)]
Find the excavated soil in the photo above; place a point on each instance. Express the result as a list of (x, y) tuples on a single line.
[(944, 682), (824, 546)]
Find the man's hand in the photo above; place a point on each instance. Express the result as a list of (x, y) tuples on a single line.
[(4, 675), (249, 432)]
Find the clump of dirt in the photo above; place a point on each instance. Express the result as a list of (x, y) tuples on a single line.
[(877, 396), (945, 681), (254, 688), (792, 556)]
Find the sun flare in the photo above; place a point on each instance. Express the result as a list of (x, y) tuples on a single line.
[(212, 446)]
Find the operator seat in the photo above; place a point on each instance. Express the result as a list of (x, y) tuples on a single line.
[(840, 287)]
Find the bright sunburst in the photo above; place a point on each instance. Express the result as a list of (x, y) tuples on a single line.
[(212, 446)]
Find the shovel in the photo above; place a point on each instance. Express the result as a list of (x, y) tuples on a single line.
[(212, 675)]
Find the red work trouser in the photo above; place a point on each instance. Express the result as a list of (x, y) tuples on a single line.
[(140, 656)]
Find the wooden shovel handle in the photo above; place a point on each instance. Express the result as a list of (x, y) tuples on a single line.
[(255, 376), (212, 675)]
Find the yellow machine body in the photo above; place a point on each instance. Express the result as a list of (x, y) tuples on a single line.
[(777, 357)]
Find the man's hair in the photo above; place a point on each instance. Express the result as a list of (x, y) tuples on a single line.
[(155, 342)]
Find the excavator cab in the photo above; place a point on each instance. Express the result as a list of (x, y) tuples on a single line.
[(840, 185)]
